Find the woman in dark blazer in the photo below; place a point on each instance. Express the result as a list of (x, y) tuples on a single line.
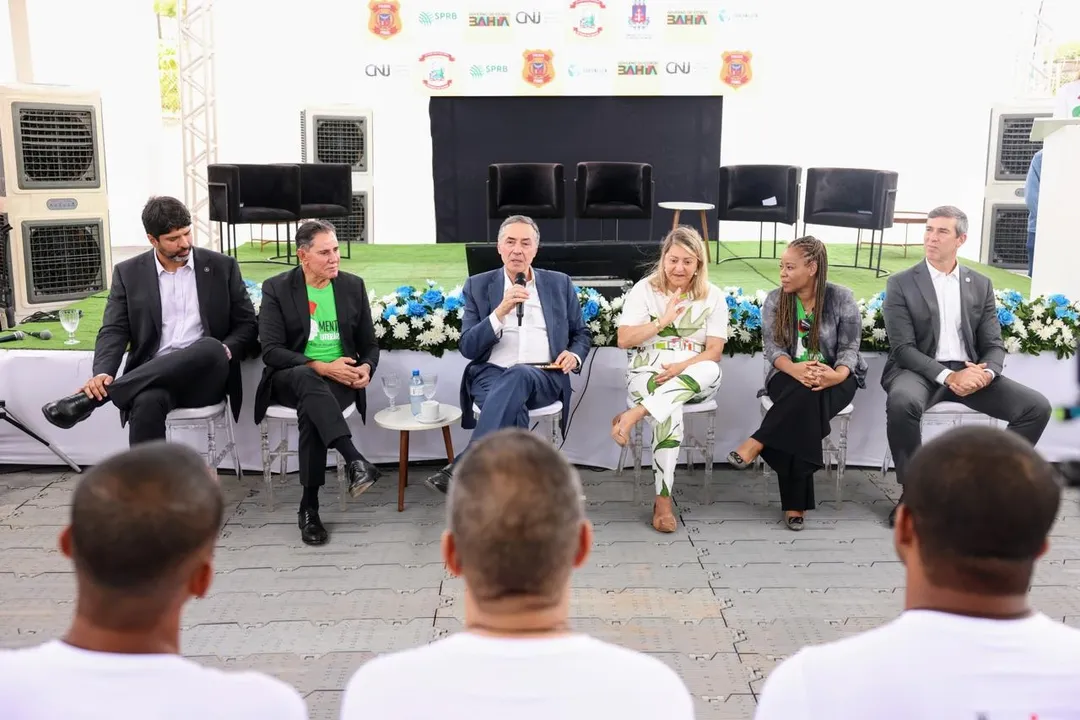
[(811, 330)]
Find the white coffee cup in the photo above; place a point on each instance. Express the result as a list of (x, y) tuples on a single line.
[(429, 410)]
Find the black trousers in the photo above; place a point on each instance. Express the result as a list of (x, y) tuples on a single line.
[(792, 432), (910, 394), (193, 377), (318, 402)]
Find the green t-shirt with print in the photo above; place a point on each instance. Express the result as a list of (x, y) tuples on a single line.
[(804, 320), (324, 340)]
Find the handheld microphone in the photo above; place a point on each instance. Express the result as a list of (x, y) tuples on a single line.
[(12, 337), (520, 280), (39, 334)]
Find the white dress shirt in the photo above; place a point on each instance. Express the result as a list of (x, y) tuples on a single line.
[(527, 343), (950, 319), (181, 322)]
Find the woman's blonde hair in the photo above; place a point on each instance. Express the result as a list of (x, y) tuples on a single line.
[(688, 239)]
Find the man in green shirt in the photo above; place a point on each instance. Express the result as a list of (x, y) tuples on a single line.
[(320, 354)]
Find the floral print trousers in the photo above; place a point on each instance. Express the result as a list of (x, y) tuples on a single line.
[(664, 403)]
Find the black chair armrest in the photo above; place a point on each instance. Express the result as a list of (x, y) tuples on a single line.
[(219, 201), (229, 176)]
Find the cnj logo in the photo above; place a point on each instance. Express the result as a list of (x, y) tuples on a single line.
[(679, 17), (637, 69), (377, 71), (489, 20), (480, 71), (528, 18), (678, 68), (437, 18)]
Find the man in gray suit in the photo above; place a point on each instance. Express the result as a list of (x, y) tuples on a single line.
[(945, 345), (523, 334)]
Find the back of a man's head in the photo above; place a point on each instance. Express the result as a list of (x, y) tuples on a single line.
[(516, 517), (982, 502), (139, 515)]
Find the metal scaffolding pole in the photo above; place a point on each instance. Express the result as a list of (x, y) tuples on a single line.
[(198, 113)]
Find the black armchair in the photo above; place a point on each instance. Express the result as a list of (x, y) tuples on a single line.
[(761, 194), (614, 190), (534, 189), (852, 198), (326, 192), (253, 195)]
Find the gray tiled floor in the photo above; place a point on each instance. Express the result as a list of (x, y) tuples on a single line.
[(721, 601)]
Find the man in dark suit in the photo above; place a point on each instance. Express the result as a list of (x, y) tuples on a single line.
[(523, 333), (184, 318), (320, 354), (945, 345)]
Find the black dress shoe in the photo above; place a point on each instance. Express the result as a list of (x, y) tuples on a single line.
[(362, 475), (70, 411), (441, 480), (892, 515), (312, 531)]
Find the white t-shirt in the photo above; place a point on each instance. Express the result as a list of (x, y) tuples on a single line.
[(474, 677), (929, 665), (56, 681)]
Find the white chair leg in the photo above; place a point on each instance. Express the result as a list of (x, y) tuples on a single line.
[(637, 440), (555, 430), (340, 463), (268, 476), (230, 431), (710, 448), (211, 444), (622, 460)]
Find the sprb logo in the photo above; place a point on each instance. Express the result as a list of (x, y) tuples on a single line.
[(481, 71), (432, 18)]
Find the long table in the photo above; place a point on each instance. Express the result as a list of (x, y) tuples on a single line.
[(30, 378)]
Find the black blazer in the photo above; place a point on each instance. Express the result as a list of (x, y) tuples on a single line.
[(132, 320), (284, 325)]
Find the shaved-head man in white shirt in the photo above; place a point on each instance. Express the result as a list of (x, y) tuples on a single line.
[(517, 531), (978, 507), (142, 534)]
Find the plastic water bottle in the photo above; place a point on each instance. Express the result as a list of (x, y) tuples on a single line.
[(416, 392)]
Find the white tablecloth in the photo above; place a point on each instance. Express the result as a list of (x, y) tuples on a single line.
[(31, 378)]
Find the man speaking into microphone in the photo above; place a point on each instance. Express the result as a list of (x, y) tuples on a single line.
[(523, 334)]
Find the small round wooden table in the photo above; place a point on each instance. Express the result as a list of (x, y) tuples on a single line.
[(401, 419), (701, 207)]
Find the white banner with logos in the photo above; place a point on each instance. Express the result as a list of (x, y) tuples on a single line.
[(571, 47)]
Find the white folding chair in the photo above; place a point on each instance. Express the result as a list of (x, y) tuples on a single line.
[(691, 443), (551, 412), (951, 414), (284, 418), (208, 418), (831, 451)]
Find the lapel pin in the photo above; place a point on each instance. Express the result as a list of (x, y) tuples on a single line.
[(967, 279), (206, 269)]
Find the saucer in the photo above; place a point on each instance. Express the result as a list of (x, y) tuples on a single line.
[(439, 419)]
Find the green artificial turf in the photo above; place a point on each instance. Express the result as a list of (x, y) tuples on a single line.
[(386, 267)]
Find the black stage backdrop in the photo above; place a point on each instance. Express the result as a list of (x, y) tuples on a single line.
[(678, 136)]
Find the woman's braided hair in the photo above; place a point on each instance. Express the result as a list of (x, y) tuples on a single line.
[(813, 251)]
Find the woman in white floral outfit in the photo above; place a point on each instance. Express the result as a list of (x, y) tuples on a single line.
[(676, 324)]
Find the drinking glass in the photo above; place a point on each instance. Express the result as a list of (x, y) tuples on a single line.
[(391, 384), (430, 381), (69, 320)]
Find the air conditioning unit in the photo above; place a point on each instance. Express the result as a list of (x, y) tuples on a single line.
[(343, 134), (1009, 154), (54, 194)]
